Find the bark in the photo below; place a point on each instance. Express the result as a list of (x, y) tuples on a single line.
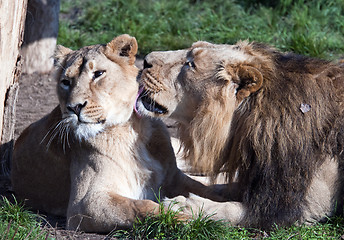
[(12, 21), (41, 29)]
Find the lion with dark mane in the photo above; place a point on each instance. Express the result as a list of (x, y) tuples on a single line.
[(272, 121)]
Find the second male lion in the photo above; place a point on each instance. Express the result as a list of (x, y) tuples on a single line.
[(272, 121), (92, 159)]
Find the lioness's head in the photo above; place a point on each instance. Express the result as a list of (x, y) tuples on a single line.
[(96, 86), (200, 88)]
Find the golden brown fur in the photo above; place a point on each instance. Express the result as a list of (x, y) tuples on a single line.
[(91, 159), (272, 121)]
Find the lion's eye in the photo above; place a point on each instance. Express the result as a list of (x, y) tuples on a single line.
[(190, 64), (97, 74)]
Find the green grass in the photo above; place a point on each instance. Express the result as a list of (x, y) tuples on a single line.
[(202, 227), (333, 229), (309, 27), (167, 226), (18, 223)]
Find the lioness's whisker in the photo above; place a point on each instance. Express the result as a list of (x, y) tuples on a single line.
[(67, 135), (51, 129), (63, 137), (65, 132), (54, 134), (59, 129)]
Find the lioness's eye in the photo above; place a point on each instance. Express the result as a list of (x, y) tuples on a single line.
[(65, 82), (97, 74)]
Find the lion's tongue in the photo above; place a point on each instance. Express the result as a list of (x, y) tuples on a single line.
[(137, 97)]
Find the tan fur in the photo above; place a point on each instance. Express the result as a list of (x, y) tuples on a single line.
[(272, 121), (91, 159)]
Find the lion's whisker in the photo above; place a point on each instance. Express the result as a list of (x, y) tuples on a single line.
[(154, 98)]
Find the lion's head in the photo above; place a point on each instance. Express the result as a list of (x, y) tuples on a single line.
[(233, 102), (96, 86), (200, 88)]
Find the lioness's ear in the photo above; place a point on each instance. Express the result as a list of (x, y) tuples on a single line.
[(248, 78), (123, 46), (60, 54)]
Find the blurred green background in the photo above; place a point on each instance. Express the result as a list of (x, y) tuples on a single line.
[(314, 28)]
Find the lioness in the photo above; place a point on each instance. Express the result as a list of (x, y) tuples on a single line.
[(272, 121), (91, 158)]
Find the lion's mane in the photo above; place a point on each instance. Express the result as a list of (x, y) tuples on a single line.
[(270, 142)]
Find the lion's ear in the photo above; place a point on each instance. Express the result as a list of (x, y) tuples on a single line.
[(202, 44), (60, 54), (248, 78), (123, 46)]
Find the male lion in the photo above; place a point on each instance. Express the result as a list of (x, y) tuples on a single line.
[(272, 121), (91, 158)]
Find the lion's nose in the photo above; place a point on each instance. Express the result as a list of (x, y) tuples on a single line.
[(146, 64), (77, 108)]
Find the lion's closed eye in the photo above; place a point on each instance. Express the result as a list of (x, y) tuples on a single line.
[(98, 74), (190, 64)]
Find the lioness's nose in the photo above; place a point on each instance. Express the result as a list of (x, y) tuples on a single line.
[(77, 108), (146, 64)]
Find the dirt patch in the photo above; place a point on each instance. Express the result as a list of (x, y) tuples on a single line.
[(37, 97)]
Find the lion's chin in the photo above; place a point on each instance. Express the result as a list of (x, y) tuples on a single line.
[(146, 103)]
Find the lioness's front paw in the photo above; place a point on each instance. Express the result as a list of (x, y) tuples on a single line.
[(175, 204), (190, 206)]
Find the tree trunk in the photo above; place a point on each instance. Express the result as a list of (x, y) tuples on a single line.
[(41, 29), (12, 21)]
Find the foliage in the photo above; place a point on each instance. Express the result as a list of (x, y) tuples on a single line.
[(166, 225), (18, 223), (332, 229), (307, 27)]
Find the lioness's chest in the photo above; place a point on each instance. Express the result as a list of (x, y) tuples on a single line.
[(124, 165), (141, 177)]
